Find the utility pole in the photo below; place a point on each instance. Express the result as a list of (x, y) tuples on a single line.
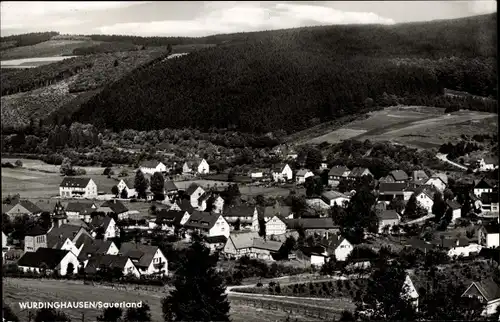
[(83, 317)]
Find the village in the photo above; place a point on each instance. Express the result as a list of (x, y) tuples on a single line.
[(84, 232)]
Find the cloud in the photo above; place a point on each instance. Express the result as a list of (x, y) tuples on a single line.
[(237, 17), (483, 6)]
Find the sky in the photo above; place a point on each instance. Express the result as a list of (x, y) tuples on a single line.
[(202, 18)]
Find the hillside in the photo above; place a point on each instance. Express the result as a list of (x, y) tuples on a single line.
[(292, 79)]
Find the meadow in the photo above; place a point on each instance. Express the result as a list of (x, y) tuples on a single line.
[(47, 49)]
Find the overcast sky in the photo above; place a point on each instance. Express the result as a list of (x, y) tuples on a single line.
[(178, 18)]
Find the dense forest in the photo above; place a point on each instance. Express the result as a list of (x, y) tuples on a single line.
[(106, 47), (286, 79), (26, 39)]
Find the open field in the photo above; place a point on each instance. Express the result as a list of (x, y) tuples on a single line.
[(421, 127), (21, 290), (47, 49), (31, 62)]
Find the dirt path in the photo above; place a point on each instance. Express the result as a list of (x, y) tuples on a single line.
[(443, 158)]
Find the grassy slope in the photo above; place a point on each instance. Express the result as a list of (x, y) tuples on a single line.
[(46, 49)]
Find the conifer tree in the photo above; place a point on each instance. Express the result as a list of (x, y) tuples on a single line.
[(140, 184)]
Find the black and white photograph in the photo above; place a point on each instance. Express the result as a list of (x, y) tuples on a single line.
[(249, 161)]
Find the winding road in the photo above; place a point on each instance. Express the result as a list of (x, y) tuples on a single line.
[(443, 157)]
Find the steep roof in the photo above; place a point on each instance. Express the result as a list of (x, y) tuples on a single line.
[(488, 288), (100, 221), (83, 239), (51, 257), (192, 188), (419, 175), (485, 183), (150, 164), (425, 190), (493, 228), (170, 216), (338, 171), (311, 223), (388, 178), (331, 195), (74, 182), (388, 215), (278, 167), (64, 231), (392, 187), (215, 239), (239, 211), (269, 245), (185, 205), (302, 172), (201, 219), (442, 176), (6, 208), (453, 204), (490, 160), (109, 261), (94, 247), (78, 206), (333, 242), (170, 186), (357, 172), (116, 205), (399, 175), (243, 240), (28, 205), (141, 255)]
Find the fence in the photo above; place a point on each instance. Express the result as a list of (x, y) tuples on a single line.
[(290, 308), (128, 287)]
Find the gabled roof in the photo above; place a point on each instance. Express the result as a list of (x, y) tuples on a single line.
[(150, 164), (204, 197), (239, 211), (215, 239), (388, 178), (425, 190), (100, 221), (185, 205), (490, 160), (271, 211), (269, 245), (201, 219), (486, 184), (170, 186), (192, 188), (493, 228), (243, 240), (311, 223), (6, 208), (331, 195), (72, 182), (94, 247), (392, 187), (78, 206), (64, 231), (51, 257), (28, 205), (278, 167), (449, 243), (338, 171), (83, 239), (388, 215), (419, 175), (193, 163), (116, 205), (399, 175), (302, 172), (141, 255), (488, 288), (108, 261), (170, 216), (334, 242), (453, 204), (441, 176), (357, 172)]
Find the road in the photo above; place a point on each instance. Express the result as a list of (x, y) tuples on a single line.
[(443, 157)]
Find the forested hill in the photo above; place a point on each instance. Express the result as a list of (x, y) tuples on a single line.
[(292, 79)]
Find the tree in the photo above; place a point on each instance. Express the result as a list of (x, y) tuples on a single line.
[(140, 314), (396, 204), (237, 224), (439, 206), (313, 158), (157, 185), (299, 206), (99, 233), (347, 316), (44, 315), (359, 216), (232, 193), (140, 184), (106, 172), (66, 168), (8, 314), (115, 190), (45, 220), (199, 293), (111, 314), (18, 164), (70, 269), (124, 193), (448, 194), (262, 228)]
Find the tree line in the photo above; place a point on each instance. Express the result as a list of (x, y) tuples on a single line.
[(29, 39)]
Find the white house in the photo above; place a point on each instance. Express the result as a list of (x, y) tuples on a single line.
[(123, 263), (302, 175), (488, 292), (106, 224), (77, 209), (462, 247), (91, 247), (438, 180), (200, 167), (256, 174), (243, 213), (409, 291), (148, 259), (251, 245), (337, 173), (342, 248), (488, 164), (35, 238), (127, 184), (48, 259), (281, 172), (151, 166), (276, 226), (358, 173), (194, 192), (388, 218), (72, 187), (488, 235), (333, 198), (426, 199), (456, 209), (23, 207), (208, 224), (484, 185)]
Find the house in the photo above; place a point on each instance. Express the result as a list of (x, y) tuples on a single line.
[(23, 207), (391, 190), (208, 224), (218, 204), (57, 237), (202, 201), (276, 226), (151, 166), (104, 225), (388, 218), (316, 255), (313, 226), (80, 209), (251, 245), (171, 218), (425, 197), (111, 262), (148, 259), (488, 163), (333, 198), (399, 176), (35, 237), (95, 247), (198, 166), (484, 185), (438, 180), (456, 209), (357, 173), (215, 243), (488, 292), (488, 235), (419, 176), (48, 259), (409, 291), (336, 173), (171, 189), (194, 191), (256, 174), (116, 207), (489, 201), (340, 247), (72, 187), (281, 172), (127, 184), (302, 175), (266, 213), (5, 248), (458, 247), (184, 205), (386, 179), (244, 213)]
